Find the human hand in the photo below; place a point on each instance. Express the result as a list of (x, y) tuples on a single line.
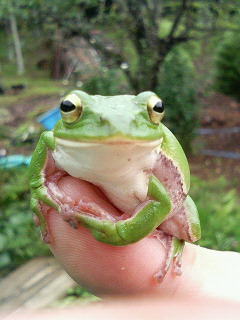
[(105, 269)]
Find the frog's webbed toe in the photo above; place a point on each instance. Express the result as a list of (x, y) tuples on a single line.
[(174, 248)]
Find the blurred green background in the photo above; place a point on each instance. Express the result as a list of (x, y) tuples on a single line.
[(188, 52)]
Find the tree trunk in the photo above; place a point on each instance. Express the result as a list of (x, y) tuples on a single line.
[(10, 47), (154, 80), (17, 44), (149, 64), (59, 63), (147, 78)]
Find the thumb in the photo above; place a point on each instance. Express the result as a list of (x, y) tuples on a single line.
[(97, 266), (106, 269)]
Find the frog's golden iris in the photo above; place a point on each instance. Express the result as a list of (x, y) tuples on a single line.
[(155, 109), (71, 108)]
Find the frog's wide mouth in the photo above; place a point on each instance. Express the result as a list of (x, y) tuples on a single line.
[(109, 141)]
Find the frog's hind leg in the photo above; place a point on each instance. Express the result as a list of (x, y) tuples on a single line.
[(173, 232), (174, 249), (185, 223)]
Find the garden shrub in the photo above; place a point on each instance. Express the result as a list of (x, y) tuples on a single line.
[(19, 239), (179, 96), (105, 83), (219, 210), (227, 62)]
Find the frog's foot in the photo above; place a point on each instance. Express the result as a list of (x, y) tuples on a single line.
[(40, 221), (94, 209), (70, 208), (174, 248), (54, 190)]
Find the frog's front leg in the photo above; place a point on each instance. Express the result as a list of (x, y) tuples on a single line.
[(147, 218), (39, 166)]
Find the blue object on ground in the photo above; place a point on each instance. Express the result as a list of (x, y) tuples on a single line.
[(14, 161), (50, 118)]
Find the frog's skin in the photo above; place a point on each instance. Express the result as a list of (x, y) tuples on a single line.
[(118, 144)]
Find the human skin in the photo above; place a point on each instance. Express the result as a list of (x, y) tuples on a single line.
[(142, 308), (108, 270)]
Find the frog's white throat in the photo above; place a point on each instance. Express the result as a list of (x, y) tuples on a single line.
[(121, 169)]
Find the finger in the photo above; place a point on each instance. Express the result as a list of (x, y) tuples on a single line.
[(140, 307), (105, 269), (98, 266)]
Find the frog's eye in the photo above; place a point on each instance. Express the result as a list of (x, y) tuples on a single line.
[(155, 109), (71, 108)]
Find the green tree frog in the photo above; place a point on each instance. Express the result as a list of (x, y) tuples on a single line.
[(119, 145)]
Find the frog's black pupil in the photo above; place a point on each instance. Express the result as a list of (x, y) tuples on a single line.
[(159, 107), (67, 106)]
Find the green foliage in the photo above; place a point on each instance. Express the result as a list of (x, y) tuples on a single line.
[(145, 30), (227, 74), (219, 209), (76, 296), (179, 95), (19, 240), (105, 83)]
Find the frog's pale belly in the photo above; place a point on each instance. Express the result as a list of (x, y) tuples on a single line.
[(120, 169)]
